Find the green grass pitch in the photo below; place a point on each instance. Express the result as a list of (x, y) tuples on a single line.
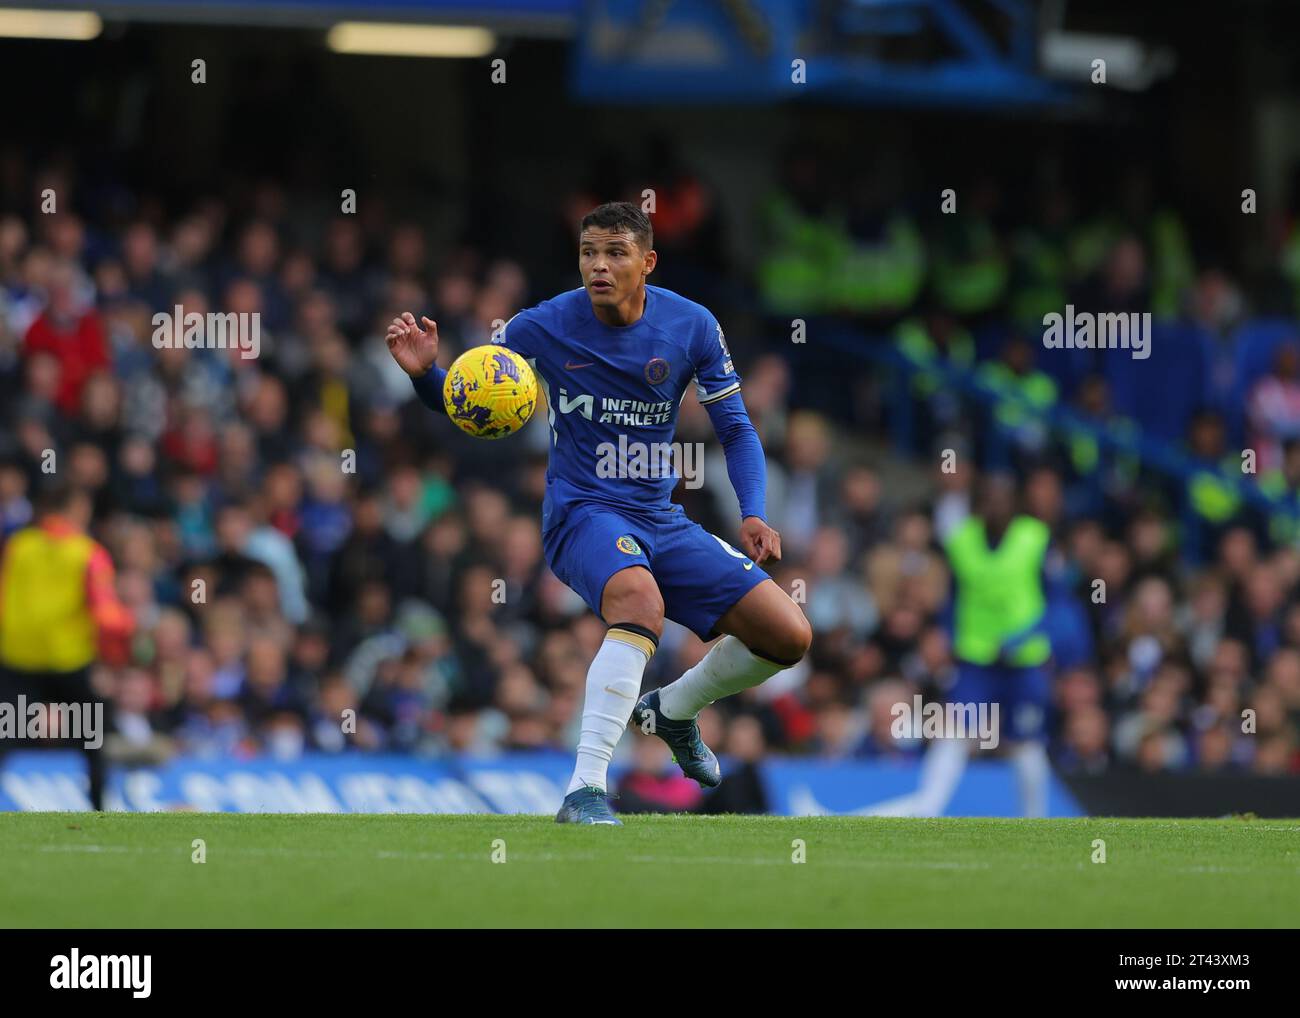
[(136, 870)]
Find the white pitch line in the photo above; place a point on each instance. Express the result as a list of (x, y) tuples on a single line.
[(935, 864), (89, 848), (300, 853), (851, 863)]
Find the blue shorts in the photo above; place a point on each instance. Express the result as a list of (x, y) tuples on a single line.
[(700, 576), (1023, 696)]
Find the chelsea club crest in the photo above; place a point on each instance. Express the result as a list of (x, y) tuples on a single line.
[(656, 370)]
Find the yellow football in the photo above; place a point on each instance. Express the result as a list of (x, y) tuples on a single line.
[(490, 392)]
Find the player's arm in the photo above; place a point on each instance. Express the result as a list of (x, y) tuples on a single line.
[(718, 388), (416, 351), (113, 620), (747, 470)]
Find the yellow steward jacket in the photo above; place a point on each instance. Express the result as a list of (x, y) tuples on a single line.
[(56, 599)]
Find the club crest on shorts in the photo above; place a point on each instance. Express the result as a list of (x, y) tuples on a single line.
[(656, 370), (627, 545)]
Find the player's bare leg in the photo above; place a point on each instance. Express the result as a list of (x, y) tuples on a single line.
[(770, 624), (631, 595), (634, 608), (765, 633)]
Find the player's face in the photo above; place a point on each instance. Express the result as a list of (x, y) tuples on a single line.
[(613, 265), (999, 502)]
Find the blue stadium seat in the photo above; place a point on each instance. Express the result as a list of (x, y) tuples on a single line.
[(1162, 392)]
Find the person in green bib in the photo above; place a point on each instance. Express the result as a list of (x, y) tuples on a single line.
[(1000, 646)]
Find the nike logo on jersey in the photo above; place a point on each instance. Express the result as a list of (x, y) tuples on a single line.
[(611, 689), (570, 366), (732, 551)]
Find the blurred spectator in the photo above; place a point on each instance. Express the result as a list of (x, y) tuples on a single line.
[(654, 784), (70, 330), (743, 791), (1274, 408)]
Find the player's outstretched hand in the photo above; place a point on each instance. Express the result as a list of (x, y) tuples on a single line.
[(759, 541), (414, 349)]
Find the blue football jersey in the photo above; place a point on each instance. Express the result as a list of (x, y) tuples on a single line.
[(613, 393)]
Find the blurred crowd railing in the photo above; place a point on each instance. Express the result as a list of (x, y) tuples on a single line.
[(1115, 439)]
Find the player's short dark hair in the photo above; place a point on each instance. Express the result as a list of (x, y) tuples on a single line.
[(624, 217), (54, 495)]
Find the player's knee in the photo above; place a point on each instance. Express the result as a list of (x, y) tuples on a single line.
[(789, 640), (645, 608), (633, 596), (800, 636)]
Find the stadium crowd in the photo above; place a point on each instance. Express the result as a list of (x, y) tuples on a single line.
[(316, 562)]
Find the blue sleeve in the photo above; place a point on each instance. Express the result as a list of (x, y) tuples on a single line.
[(523, 334), (429, 388), (746, 464), (715, 374)]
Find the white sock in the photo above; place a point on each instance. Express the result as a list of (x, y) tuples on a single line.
[(613, 682), (941, 771), (727, 668), (1032, 773)]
